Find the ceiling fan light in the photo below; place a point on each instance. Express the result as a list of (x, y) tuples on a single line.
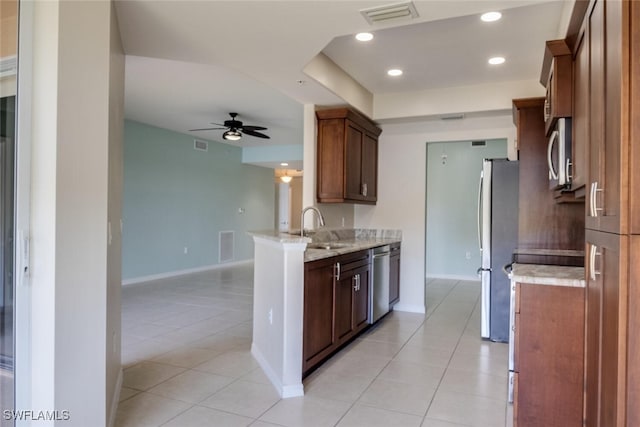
[(232, 135)]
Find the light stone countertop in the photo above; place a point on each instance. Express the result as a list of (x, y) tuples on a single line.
[(312, 254), (280, 236), (548, 275), (350, 240)]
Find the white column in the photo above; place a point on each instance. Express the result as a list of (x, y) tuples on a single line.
[(71, 141)]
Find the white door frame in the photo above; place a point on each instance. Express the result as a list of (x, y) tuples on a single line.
[(22, 301)]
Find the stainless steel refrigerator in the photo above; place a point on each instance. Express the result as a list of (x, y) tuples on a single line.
[(498, 238)]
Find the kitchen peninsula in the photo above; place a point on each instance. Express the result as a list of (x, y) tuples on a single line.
[(279, 294)]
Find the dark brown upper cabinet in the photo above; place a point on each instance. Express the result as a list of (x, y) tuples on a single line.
[(557, 78), (347, 157)]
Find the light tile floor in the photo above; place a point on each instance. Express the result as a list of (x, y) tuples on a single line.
[(187, 362)]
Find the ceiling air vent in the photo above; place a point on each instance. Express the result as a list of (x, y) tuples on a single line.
[(200, 145), (392, 11), (478, 143)]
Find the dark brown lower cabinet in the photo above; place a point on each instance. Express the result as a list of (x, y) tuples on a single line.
[(549, 349), (608, 331), (336, 304), (318, 311)]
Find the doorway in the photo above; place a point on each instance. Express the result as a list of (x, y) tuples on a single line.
[(453, 173)]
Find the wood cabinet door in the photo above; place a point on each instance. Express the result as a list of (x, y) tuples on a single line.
[(634, 119), (360, 310), (353, 161), (580, 134), (330, 160), (369, 168), (318, 312), (614, 173), (394, 276), (596, 41), (550, 351), (344, 306), (633, 345), (607, 205), (606, 335)]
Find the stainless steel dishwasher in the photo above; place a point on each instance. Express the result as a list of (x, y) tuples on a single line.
[(379, 283)]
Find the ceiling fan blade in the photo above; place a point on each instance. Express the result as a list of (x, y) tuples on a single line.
[(252, 128), (256, 134), (193, 130)]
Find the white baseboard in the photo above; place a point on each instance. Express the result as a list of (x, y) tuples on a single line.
[(285, 391), (409, 308), (166, 275), (454, 277), (116, 399)]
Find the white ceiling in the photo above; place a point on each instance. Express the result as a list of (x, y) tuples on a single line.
[(189, 63)]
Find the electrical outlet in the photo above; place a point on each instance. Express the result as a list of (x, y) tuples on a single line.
[(186, 250), (271, 316), (468, 255)]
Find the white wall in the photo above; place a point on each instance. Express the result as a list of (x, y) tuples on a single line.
[(461, 99), (402, 189), (72, 136)]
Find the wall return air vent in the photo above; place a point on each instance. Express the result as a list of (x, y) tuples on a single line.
[(200, 145), (405, 10), (225, 246)]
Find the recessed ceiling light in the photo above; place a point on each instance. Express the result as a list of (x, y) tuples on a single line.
[(496, 60), (364, 37), (394, 72), (491, 16), (284, 164)]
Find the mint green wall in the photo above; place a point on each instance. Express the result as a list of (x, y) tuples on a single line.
[(452, 197), (177, 197)]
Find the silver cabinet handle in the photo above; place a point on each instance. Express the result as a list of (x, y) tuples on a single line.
[(363, 189), (337, 270), (552, 172), (593, 252), (568, 171), (593, 199), (356, 282)]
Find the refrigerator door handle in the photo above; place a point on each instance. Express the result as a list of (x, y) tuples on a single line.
[(480, 210)]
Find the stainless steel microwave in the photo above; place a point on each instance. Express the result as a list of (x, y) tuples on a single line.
[(559, 155)]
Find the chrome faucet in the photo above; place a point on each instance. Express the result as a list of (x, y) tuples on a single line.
[(318, 213)]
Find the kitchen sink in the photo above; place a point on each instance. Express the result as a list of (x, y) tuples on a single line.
[(328, 245)]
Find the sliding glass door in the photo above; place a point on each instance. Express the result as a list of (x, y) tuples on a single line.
[(7, 173), (8, 91)]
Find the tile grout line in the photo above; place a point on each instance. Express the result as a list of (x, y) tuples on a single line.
[(385, 366), (454, 349)]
